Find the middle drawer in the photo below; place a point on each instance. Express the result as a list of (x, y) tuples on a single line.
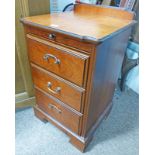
[(65, 91)]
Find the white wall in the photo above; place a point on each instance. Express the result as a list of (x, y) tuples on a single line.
[(62, 4)]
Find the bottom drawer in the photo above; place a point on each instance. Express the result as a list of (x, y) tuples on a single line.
[(57, 111)]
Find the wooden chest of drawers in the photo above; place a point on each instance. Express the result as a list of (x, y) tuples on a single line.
[(75, 61)]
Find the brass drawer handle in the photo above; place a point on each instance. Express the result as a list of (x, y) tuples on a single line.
[(47, 56), (51, 106), (51, 36), (56, 91)]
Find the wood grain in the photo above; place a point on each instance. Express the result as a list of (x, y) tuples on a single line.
[(103, 11), (60, 38), (97, 24), (19, 82), (23, 75), (21, 47), (38, 7), (68, 59), (69, 94), (65, 116), (105, 76)]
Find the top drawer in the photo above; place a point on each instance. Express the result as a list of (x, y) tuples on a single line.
[(64, 62), (59, 38)]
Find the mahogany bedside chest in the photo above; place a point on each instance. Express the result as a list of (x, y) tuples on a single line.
[(75, 60)]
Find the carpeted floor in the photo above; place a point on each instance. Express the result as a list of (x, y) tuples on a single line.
[(118, 135)]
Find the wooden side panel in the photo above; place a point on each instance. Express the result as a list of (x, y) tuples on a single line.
[(23, 75), (21, 49), (39, 7), (19, 83), (109, 60)]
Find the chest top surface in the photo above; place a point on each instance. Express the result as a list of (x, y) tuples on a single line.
[(87, 22)]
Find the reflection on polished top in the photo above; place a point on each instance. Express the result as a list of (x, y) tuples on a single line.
[(84, 23)]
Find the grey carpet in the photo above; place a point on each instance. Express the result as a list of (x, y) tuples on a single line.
[(118, 135)]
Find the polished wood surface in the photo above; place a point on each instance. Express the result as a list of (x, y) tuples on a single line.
[(62, 39), (58, 111), (105, 76), (38, 49), (95, 25), (91, 48), (70, 94), (102, 11)]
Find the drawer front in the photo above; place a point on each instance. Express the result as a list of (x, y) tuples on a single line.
[(68, 64), (63, 90), (57, 111), (59, 38)]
